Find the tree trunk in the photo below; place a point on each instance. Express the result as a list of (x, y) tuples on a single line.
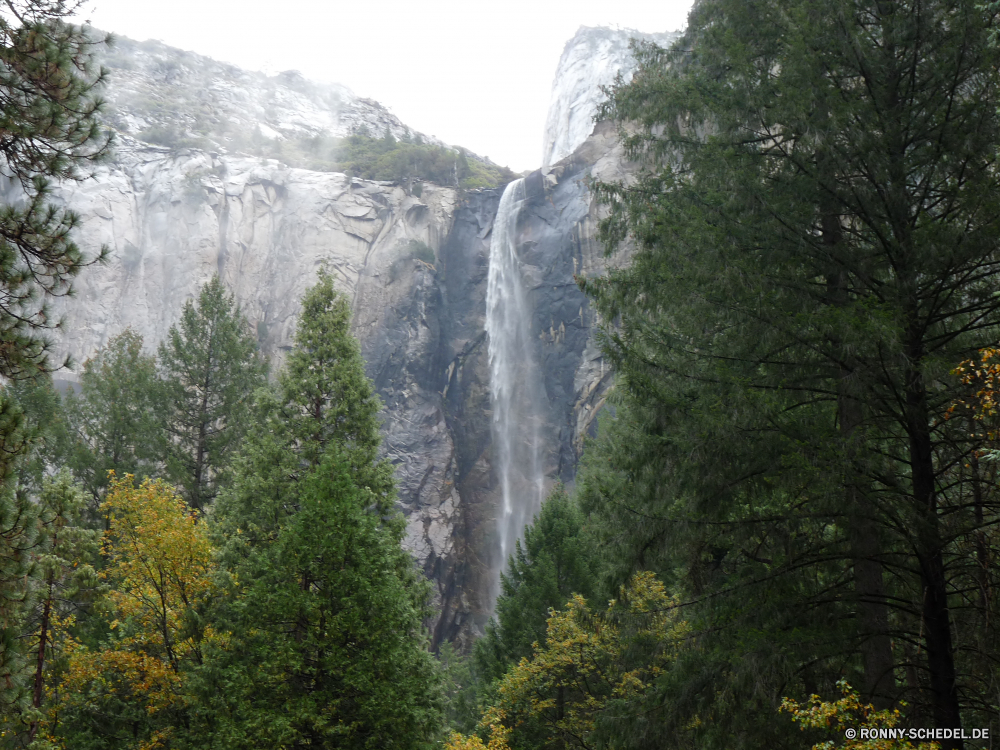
[(862, 529), (934, 610), (43, 636)]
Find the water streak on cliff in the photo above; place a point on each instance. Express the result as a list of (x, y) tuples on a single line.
[(515, 382)]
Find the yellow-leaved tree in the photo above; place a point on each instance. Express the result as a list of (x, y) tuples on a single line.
[(847, 715), (590, 662), (128, 693)]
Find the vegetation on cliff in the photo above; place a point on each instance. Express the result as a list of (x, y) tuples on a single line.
[(796, 491)]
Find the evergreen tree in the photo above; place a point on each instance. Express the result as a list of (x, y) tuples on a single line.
[(112, 420), (45, 418), (210, 367), (325, 397), (554, 562), (49, 107), (19, 540), (327, 647), (62, 581), (817, 225)]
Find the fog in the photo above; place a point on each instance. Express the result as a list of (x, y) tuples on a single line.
[(473, 74)]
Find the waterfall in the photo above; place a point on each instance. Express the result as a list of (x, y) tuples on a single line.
[(516, 391)]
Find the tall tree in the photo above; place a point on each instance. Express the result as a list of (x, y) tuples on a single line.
[(817, 226), (555, 562), (210, 367), (49, 106), (130, 691), (19, 541), (327, 646), (62, 581), (112, 419)]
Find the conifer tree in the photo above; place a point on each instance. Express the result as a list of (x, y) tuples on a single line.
[(62, 580), (210, 368), (817, 225), (49, 107), (112, 420), (554, 562), (19, 539), (327, 647)]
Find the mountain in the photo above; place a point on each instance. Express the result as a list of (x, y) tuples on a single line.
[(162, 95), (590, 61), (193, 199)]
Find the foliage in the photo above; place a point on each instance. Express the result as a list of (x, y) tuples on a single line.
[(18, 539), (386, 158), (326, 644), (325, 398), (48, 107), (63, 580), (784, 336), (49, 129), (848, 713), (112, 419), (594, 669), (461, 686), (159, 559), (129, 692), (210, 368), (499, 735), (554, 562), (31, 433), (45, 420)]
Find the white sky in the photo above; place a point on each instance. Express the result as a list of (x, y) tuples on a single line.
[(474, 74)]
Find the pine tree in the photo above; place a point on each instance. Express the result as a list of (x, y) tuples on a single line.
[(112, 420), (45, 418), (817, 226), (327, 647), (210, 368), (19, 540), (49, 108), (554, 562), (62, 581)]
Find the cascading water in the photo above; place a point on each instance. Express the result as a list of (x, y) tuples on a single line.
[(516, 390)]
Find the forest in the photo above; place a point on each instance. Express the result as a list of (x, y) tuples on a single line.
[(784, 534)]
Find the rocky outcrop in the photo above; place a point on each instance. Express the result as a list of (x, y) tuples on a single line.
[(414, 262), (164, 95), (173, 219), (590, 60)]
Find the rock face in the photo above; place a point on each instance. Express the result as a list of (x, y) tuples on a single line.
[(163, 95), (590, 60), (414, 263)]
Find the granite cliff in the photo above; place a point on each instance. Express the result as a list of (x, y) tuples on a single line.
[(590, 61), (414, 262)]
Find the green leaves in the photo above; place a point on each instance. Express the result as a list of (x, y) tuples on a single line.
[(327, 646), (113, 419), (48, 118), (210, 368), (816, 218), (554, 562)]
